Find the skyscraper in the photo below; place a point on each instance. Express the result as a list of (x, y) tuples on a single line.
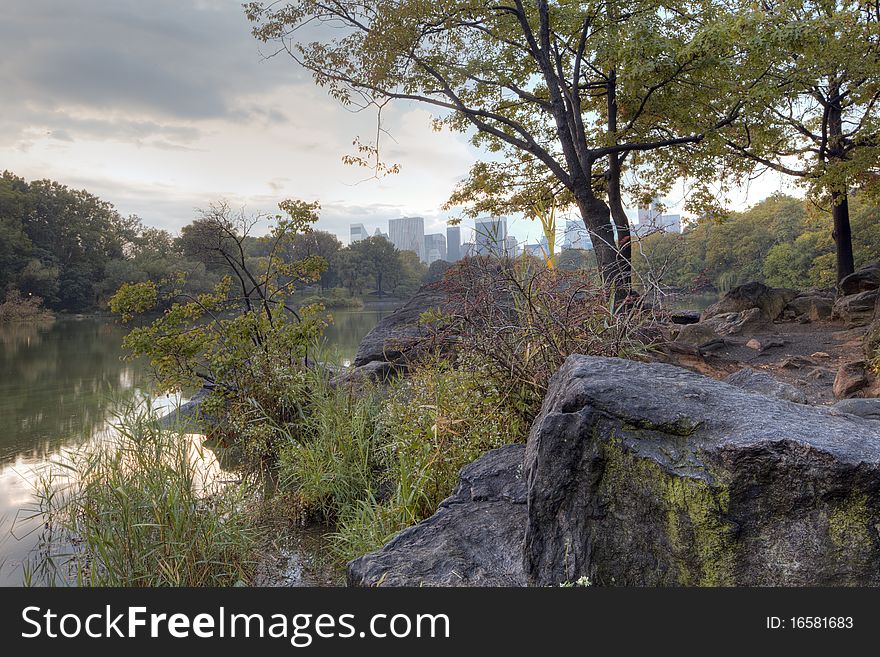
[(358, 233), (576, 236), (651, 220), (435, 247), (490, 236), (408, 234), (511, 247), (453, 243), (379, 233)]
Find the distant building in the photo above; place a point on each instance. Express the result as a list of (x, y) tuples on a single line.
[(358, 233), (576, 236), (379, 233), (453, 243), (435, 247), (408, 234), (652, 220), (468, 250), (535, 250), (511, 247), (490, 236)]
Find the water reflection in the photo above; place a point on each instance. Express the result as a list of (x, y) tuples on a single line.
[(59, 386)]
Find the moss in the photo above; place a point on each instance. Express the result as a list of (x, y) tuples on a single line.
[(701, 547), (849, 525)]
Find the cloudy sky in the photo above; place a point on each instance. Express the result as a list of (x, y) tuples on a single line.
[(163, 106)]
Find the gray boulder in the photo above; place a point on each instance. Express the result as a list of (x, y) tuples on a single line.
[(474, 539), (868, 408), (765, 384), (649, 474), (771, 301), (856, 309), (862, 280), (815, 307), (397, 337), (746, 322)]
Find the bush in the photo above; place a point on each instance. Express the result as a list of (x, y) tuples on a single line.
[(144, 508), (17, 308), (519, 320), (335, 299)]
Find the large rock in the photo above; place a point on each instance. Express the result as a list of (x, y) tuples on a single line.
[(857, 309), (765, 384), (474, 539), (770, 300), (746, 322), (814, 306), (852, 377), (648, 474), (862, 280), (397, 337)]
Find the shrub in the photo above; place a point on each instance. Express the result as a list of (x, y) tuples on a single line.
[(143, 508), (519, 320), (335, 299), (243, 338), (17, 308)]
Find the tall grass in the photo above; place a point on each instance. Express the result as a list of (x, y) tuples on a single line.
[(373, 465), (146, 507)]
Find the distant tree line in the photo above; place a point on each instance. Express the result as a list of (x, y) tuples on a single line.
[(74, 250), (782, 241)]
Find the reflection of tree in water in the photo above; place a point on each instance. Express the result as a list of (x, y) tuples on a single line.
[(57, 383), (349, 328)]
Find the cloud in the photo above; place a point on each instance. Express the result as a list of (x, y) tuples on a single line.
[(76, 66)]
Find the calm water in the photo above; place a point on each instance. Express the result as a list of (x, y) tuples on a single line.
[(58, 383)]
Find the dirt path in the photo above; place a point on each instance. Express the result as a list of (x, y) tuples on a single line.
[(805, 355)]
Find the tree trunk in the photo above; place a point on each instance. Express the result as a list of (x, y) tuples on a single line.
[(839, 198), (623, 252), (621, 222), (597, 219), (842, 235)]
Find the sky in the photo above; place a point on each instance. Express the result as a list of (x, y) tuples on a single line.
[(164, 106)]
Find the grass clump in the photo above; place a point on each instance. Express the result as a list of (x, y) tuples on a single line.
[(375, 466), (145, 507)]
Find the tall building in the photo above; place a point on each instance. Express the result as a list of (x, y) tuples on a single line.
[(408, 234), (379, 233), (453, 243), (358, 233), (435, 247), (652, 220), (576, 236), (490, 236), (468, 250), (511, 247)]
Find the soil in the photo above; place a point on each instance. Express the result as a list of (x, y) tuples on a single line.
[(806, 355)]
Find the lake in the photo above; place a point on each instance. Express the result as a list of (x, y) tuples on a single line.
[(58, 383)]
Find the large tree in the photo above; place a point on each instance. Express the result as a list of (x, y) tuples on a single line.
[(814, 115), (529, 79)]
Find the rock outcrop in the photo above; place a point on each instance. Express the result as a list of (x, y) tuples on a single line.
[(648, 474), (867, 408), (856, 309), (862, 280), (771, 301), (745, 322), (474, 539), (399, 333)]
